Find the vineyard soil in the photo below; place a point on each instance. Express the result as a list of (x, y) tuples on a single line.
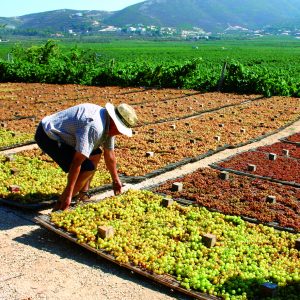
[(37, 264)]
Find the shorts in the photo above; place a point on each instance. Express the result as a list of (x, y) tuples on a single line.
[(61, 153)]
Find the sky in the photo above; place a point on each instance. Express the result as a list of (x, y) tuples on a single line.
[(14, 8)]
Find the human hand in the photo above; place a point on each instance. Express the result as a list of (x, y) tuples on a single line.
[(63, 203), (117, 187)]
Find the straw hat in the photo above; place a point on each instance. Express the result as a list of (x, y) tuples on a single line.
[(124, 117)]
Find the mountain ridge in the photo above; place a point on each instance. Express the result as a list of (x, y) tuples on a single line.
[(210, 15)]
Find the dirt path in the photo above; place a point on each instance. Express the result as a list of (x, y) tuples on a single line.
[(208, 160), (38, 264)]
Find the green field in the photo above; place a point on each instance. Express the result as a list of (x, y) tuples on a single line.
[(259, 50), (268, 65)]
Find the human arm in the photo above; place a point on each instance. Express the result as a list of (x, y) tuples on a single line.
[(66, 197), (110, 161)]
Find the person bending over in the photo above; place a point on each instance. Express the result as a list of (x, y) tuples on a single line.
[(73, 138)]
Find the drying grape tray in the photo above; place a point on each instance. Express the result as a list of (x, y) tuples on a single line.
[(165, 280)]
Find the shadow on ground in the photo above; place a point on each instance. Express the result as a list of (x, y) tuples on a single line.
[(11, 218), (45, 240)]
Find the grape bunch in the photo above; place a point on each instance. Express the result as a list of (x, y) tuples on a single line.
[(169, 241)]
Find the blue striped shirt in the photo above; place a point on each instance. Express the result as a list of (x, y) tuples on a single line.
[(84, 127)]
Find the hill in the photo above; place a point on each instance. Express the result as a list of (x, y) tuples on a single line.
[(210, 15), (58, 20)]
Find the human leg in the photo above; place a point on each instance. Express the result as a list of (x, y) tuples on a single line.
[(68, 196), (94, 158), (83, 192)]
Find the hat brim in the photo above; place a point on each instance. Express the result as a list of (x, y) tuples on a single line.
[(119, 124)]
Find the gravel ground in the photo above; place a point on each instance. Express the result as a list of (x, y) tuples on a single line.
[(39, 264)]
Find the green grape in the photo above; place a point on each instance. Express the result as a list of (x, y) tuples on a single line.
[(38, 177), (168, 241), (8, 137)]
